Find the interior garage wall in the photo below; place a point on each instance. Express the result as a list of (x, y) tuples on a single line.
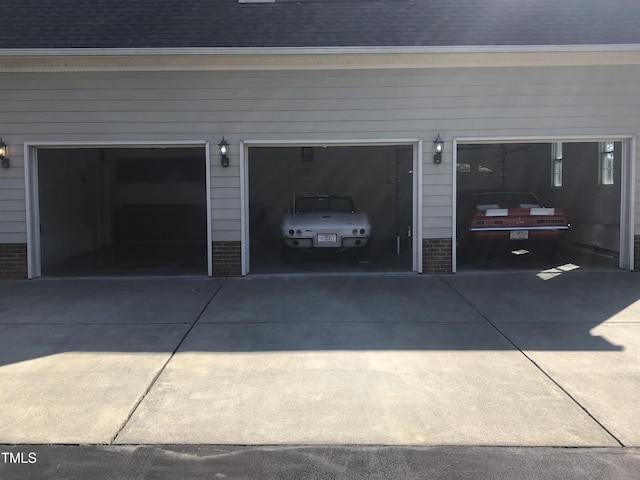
[(519, 102), (68, 203), (592, 209), (496, 167), (156, 195), (91, 198), (367, 174)]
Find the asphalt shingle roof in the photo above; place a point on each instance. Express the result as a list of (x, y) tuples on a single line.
[(315, 23)]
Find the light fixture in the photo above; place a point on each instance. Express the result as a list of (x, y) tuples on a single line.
[(438, 146), (224, 152), (4, 160)]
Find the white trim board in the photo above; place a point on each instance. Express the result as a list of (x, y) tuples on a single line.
[(111, 52)]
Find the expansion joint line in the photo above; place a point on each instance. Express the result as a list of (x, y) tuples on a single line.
[(533, 362), (164, 365)]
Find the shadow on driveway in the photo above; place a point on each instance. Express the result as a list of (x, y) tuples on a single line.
[(382, 312)]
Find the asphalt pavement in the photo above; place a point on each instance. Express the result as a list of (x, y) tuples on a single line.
[(191, 462)]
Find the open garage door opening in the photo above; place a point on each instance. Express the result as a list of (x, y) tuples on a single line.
[(335, 208), (122, 211), (542, 206)]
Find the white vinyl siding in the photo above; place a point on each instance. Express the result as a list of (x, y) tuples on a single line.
[(12, 202), (177, 106)]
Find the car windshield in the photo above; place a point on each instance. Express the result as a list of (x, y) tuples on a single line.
[(324, 204), (502, 199)]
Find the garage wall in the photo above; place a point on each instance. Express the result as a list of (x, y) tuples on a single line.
[(69, 220), (480, 167), (157, 194), (367, 174), (592, 209), (294, 105), (12, 197), (497, 167)]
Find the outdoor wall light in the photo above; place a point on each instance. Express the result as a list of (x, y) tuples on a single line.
[(4, 161), (224, 152), (438, 146)]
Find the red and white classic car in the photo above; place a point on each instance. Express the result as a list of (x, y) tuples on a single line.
[(510, 218)]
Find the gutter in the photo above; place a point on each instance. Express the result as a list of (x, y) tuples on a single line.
[(396, 50)]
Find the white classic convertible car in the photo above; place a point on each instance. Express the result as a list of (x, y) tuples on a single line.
[(324, 222)]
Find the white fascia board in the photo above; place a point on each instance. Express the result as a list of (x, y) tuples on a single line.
[(293, 58), (119, 52), (542, 139), (118, 144), (331, 142)]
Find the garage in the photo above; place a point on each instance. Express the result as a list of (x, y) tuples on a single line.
[(121, 211), (580, 180), (379, 179)]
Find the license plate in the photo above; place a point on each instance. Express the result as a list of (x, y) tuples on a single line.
[(519, 235), (327, 238)]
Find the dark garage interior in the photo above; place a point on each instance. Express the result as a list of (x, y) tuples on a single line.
[(582, 178), (378, 178), (122, 211)]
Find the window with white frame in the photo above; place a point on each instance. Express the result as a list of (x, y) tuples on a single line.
[(606, 163), (556, 165)]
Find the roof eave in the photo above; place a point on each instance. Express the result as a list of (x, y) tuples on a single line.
[(318, 50)]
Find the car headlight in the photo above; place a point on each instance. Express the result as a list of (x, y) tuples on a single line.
[(362, 231), (291, 232)]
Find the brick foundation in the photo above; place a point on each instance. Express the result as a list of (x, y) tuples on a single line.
[(227, 259), (437, 255), (636, 253), (13, 261)]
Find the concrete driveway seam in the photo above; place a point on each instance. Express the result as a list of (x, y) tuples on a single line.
[(164, 366), (534, 363)]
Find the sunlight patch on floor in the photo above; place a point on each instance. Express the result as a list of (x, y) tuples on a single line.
[(550, 273)]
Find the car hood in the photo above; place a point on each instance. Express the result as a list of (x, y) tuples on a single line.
[(319, 219)]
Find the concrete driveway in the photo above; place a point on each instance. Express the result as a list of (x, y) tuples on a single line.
[(506, 359)]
